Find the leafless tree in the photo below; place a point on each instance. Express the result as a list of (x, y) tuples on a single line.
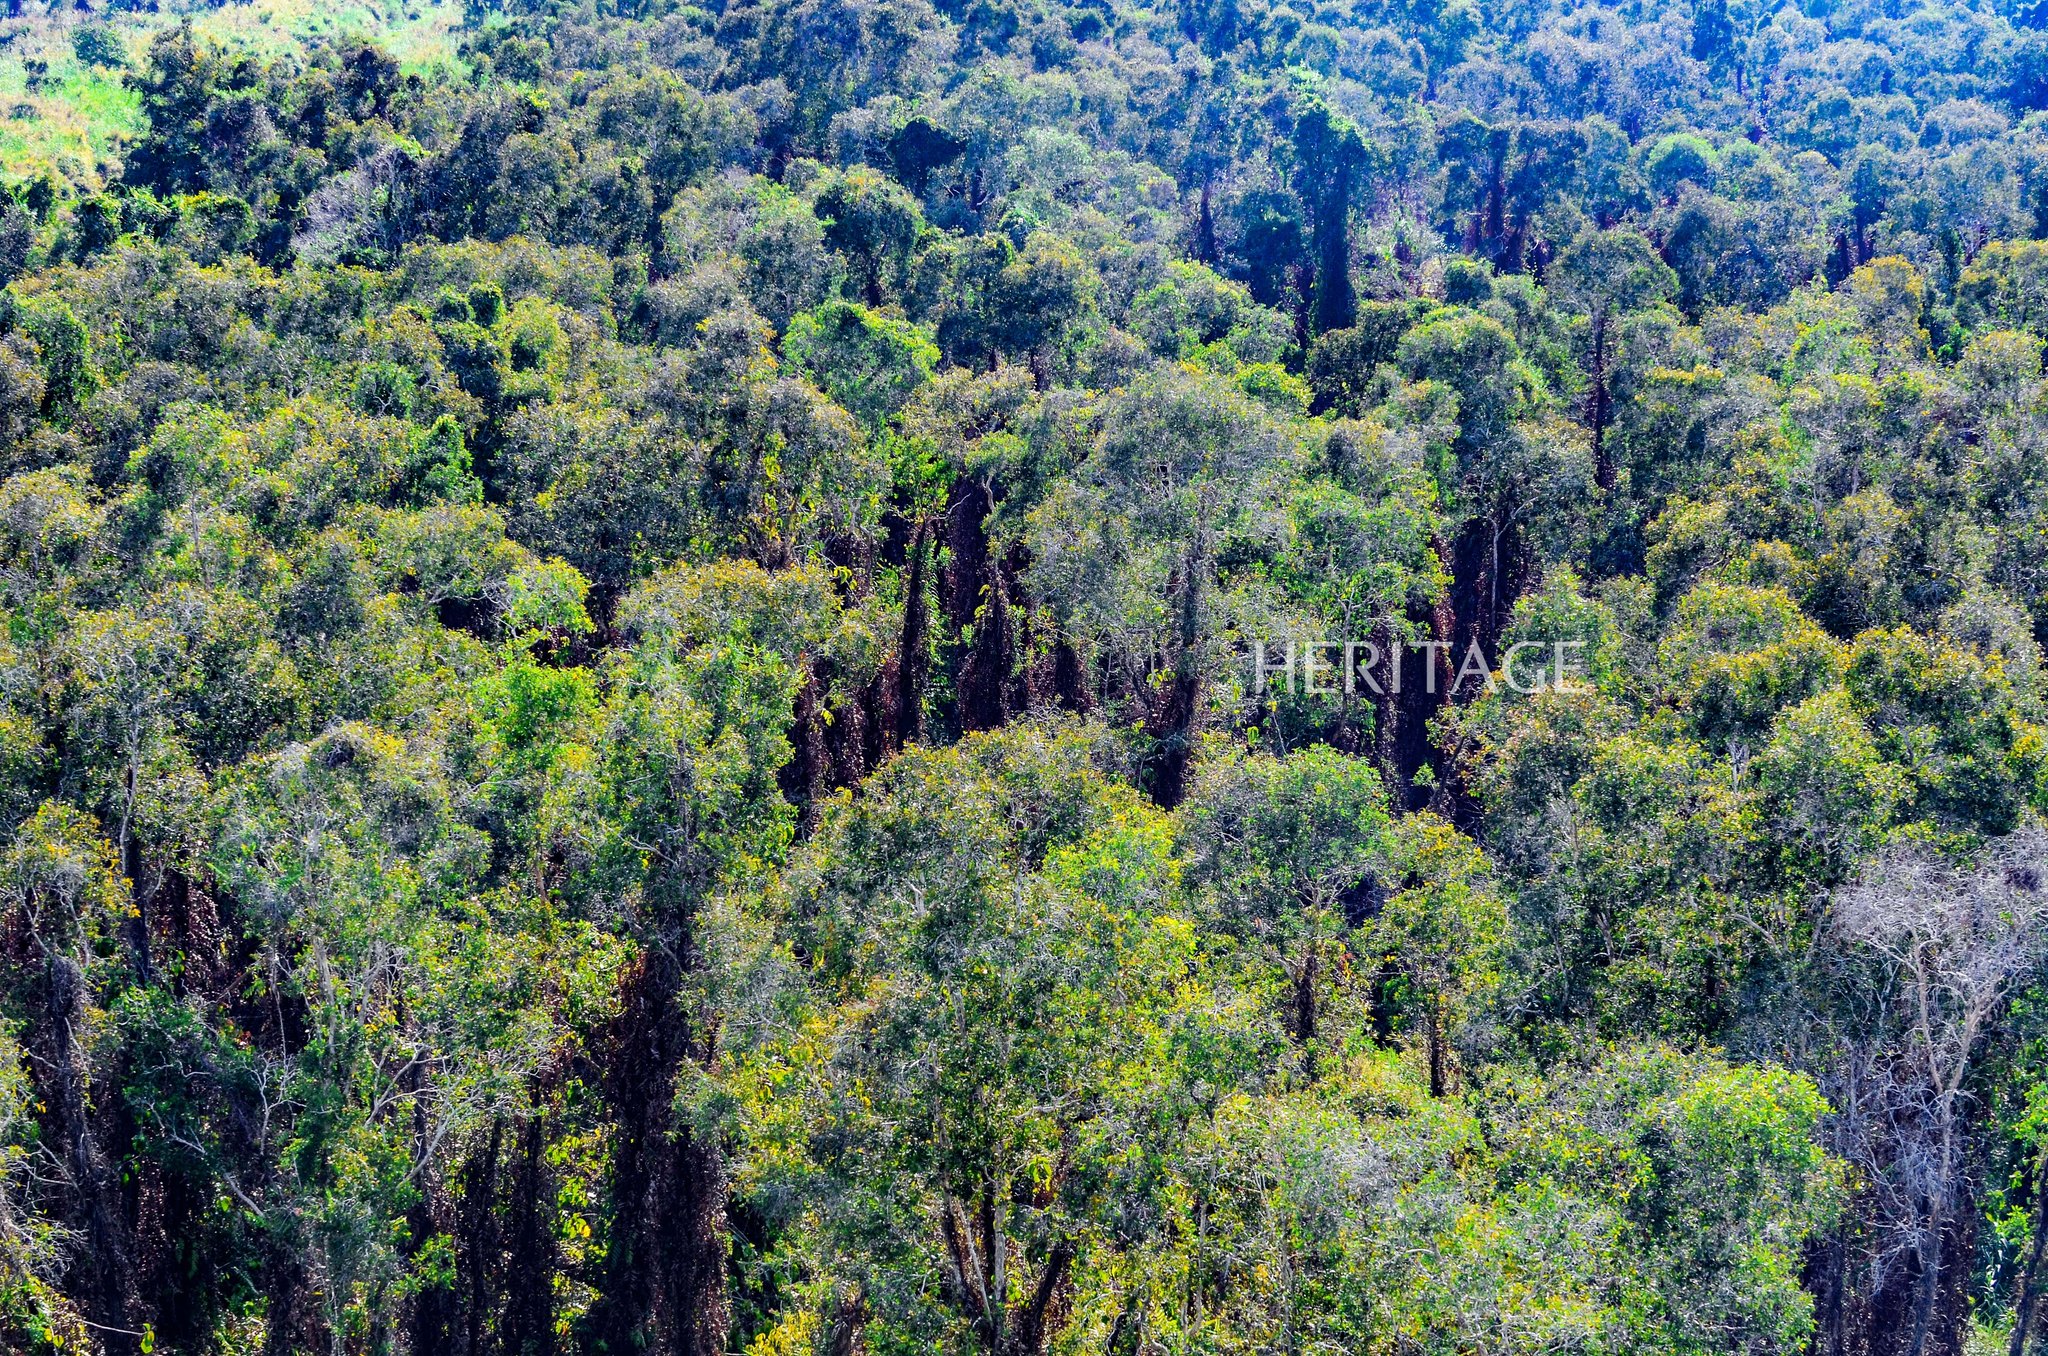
[(1942, 947)]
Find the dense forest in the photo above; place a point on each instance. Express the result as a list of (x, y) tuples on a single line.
[(646, 701)]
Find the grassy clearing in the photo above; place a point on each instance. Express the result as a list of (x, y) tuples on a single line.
[(74, 118)]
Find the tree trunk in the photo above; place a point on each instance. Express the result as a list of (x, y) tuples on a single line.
[(664, 1282), (1436, 1047), (107, 1281), (913, 660), (803, 778), (1335, 307), (1041, 1315), (1173, 722), (527, 1327), (2029, 1296), (973, 595), (1305, 1007), (480, 1241), (851, 1316), (1929, 1281), (1603, 468)]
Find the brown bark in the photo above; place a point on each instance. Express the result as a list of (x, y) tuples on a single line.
[(104, 1280), (848, 1320), (974, 595), (1305, 996), (528, 1325), (1597, 414), (913, 652), (1436, 1048), (1029, 1330), (664, 1282), (803, 777), (480, 1240)]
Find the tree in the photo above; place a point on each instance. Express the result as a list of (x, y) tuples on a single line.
[(1505, 468), (956, 1179), (63, 895), (1331, 158), (874, 223), (773, 242), (98, 45), (1609, 274), (1950, 943), (1342, 363), (682, 804), (1445, 930), (869, 362), (176, 89), (1288, 857), (1129, 551)]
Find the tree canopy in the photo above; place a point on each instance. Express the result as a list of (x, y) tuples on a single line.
[(810, 677)]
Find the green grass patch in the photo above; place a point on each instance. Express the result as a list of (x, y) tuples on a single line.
[(77, 119)]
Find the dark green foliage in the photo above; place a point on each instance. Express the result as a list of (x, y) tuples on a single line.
[(98, 45)]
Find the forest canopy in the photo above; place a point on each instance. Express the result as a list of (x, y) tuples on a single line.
[(658, 681)]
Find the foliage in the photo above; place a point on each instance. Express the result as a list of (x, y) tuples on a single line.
[(805, 677)]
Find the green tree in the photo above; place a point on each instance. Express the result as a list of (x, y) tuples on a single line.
[(957, 1176), (1130, 551), (1609, 274), (869, 362), (874, 223)]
